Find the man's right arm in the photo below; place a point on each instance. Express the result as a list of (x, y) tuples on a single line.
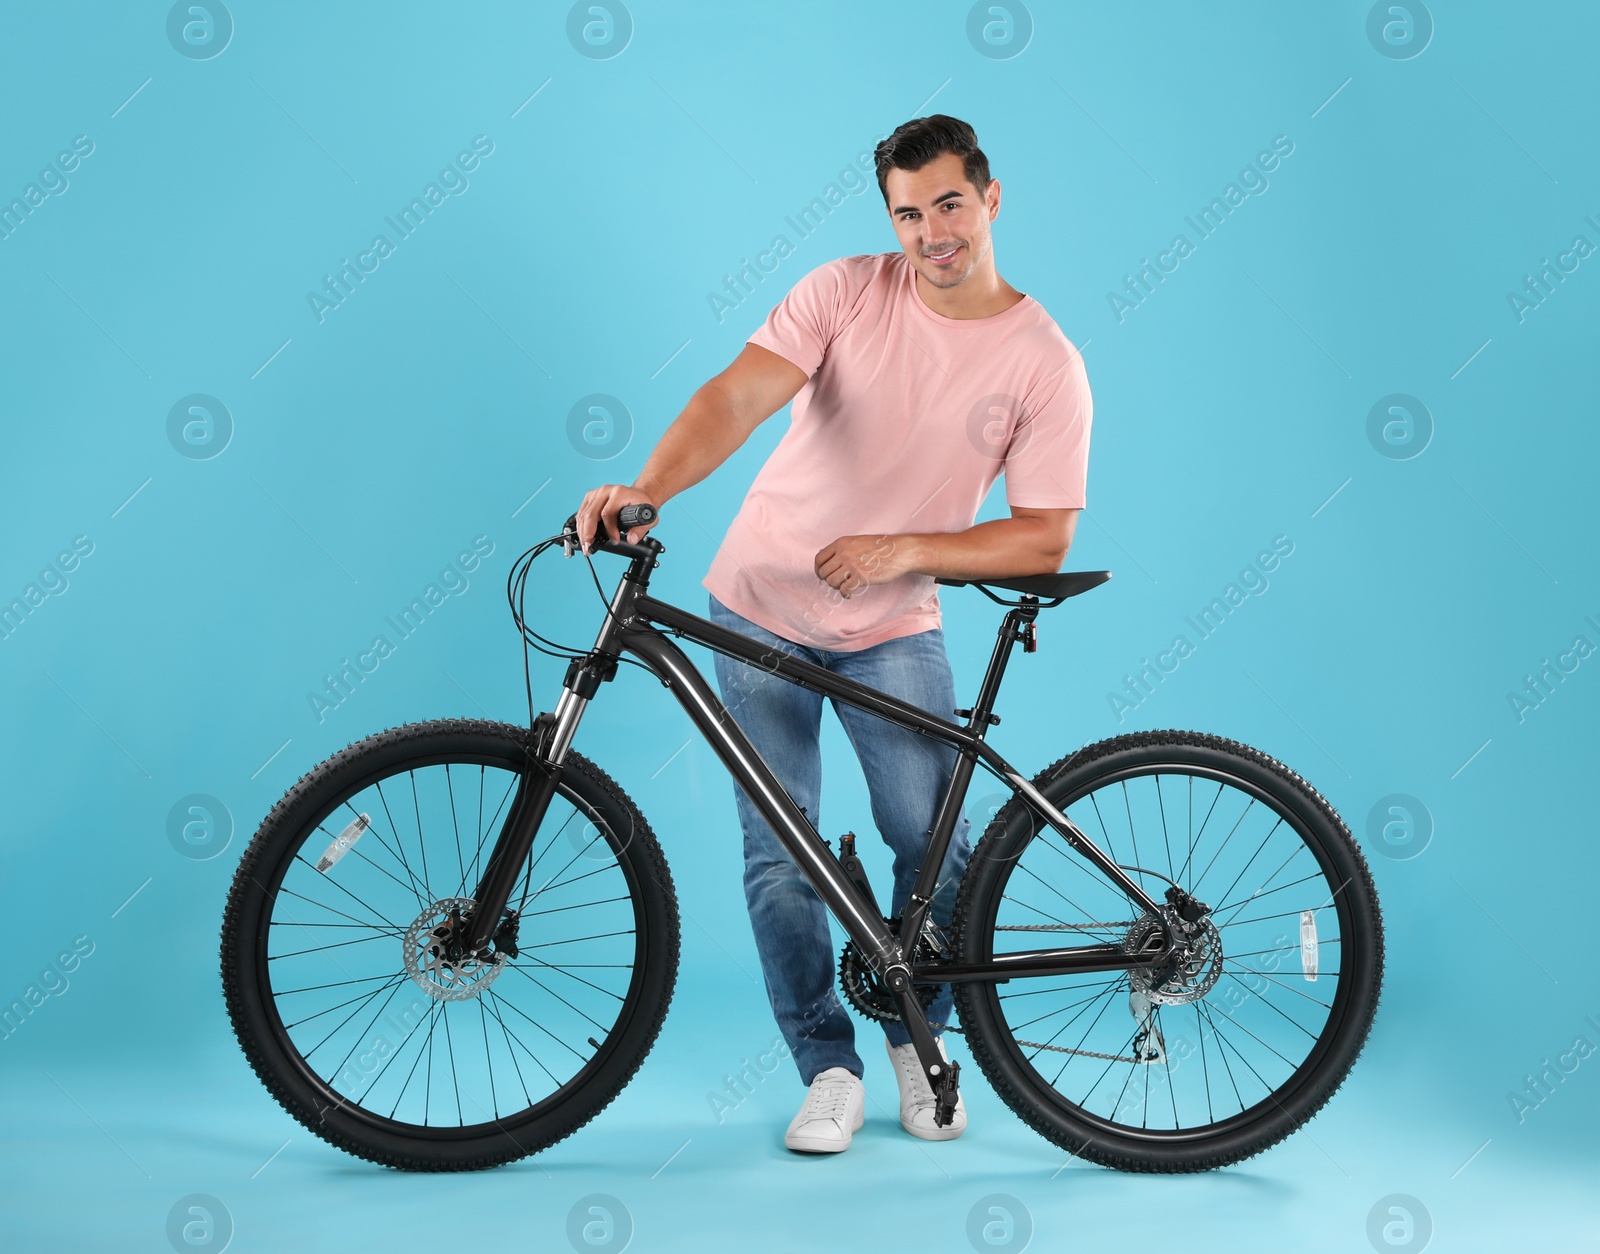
[(716, 421)]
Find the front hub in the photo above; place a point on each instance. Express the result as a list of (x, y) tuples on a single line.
[(436, 956)]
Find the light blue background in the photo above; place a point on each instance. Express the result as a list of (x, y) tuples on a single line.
[(368, 449)]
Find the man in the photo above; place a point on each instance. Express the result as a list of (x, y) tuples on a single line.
[(917, 377)]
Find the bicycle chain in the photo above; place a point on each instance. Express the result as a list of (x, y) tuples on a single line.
[(1059, 1049), (1058, 927)]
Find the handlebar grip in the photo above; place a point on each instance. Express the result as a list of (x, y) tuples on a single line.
[(639, 515)]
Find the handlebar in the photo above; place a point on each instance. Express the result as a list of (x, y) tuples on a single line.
[(629, 517)]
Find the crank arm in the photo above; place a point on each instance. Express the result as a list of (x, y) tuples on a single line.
[(943, 1077)]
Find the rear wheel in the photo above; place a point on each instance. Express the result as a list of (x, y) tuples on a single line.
[(1222, 1054), (336, 968)]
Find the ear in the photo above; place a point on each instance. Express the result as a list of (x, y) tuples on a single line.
[(992, 199)]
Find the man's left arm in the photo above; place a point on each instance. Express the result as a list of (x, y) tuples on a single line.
[(1030, 542)]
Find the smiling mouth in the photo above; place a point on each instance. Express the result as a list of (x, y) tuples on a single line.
[(940, 259)]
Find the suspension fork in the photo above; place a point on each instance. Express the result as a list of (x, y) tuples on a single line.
[(537, 786), (552, 737)]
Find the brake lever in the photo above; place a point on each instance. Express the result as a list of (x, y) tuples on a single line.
[(569, 536), (631, 516)]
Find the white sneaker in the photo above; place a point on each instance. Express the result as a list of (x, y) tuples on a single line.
[(833, 1110), (916, 1096)]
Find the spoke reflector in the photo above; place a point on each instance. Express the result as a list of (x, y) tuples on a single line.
[(1308, 944), (342, 842)]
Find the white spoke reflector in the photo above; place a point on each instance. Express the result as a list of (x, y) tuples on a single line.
[(1308, 944), (342, 842)]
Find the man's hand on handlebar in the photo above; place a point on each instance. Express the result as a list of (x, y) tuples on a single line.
[(603, 504)]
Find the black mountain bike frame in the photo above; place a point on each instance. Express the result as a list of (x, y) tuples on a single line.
[(627, 627)]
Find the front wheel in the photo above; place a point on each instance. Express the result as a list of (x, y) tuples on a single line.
[(341, 985), (1222, 1054)]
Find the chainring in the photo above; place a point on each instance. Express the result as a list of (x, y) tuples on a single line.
[(866, 992)]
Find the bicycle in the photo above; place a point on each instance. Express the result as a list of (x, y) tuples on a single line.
[(1170, 1035)]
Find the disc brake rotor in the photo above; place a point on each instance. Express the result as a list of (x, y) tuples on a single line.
[(1190, 975), (433, 958)]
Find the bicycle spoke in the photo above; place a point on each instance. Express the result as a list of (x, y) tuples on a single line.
[(394, 984), (401, 1096), (1132, 834), (498, 1003), (383, 801), (455, 827), (377, 927), (533, 914), (1205, 1069), (455, 1082), (1166, 840), (1055, 890), (566, 972), (285, 992), (510, 1053), (300, 953), (1222, 1053), (1256, 855), (397, 853), (1225, 842), (488, 1058), (1267, 1002), (398, 1051), (576, 939), (1194, 840), (1326, 1005), (559, 997), (518, 1010), (1260, 891), (1104, 832)]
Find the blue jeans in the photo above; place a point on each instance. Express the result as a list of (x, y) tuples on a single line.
[(906, 777)]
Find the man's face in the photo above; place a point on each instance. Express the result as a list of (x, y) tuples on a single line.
[(942, 221)]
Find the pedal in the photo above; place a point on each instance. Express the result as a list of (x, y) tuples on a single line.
[(946, 1092)]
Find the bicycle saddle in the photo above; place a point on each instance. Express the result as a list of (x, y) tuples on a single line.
[(1054, 588)]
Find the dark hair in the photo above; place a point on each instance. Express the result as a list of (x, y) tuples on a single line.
[(915, 143)]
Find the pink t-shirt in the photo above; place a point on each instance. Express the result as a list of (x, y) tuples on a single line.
[(905, 421)]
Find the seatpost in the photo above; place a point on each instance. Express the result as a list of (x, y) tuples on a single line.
[(1013, 627)]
